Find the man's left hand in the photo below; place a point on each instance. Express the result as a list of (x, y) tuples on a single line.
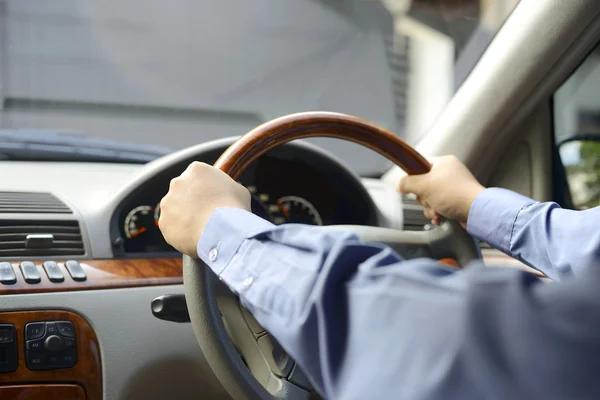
[(191, 199)]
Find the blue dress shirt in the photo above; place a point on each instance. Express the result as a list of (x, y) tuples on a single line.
[(366, 324)]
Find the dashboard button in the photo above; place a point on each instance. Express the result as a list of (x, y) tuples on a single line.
[(35, 330), (7, 333), (68, 359), (51, 328), (69, 343), (75, 270), (30, 272), (65, 328), (53, 271), (53, 360), (35, 345), (54, 343), (36, 360), (7, 273)]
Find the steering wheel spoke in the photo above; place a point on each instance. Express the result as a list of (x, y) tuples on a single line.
[(447, 241)]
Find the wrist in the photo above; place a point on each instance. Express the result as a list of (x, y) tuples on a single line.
[(471, 195)]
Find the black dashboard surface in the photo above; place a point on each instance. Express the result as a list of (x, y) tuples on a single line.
[(289, 184)]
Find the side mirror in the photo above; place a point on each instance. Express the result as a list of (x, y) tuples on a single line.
[(580, 156)]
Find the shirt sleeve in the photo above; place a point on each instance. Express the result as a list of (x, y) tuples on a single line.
[(364, 323), (560, 243)]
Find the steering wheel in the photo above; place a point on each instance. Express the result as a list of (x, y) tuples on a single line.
[(247, 360)]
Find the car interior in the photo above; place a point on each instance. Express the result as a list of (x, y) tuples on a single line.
[(94, 304)]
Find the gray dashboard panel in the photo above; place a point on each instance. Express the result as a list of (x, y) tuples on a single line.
[(142, 357)]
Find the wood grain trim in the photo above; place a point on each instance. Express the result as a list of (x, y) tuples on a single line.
[(107, 274), (104, 274), (42, 392), (320, 124), (87, 372)]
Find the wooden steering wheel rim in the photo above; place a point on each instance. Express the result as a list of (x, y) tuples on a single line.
[(320, 124)]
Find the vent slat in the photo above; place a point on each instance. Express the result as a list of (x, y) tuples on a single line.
[(21, 236), (40, 204), (18, 245), (30, 211), (38, 229), (40, 195), (32, 203), (41, 252), (67, 239), (417, 228), (414, 220)]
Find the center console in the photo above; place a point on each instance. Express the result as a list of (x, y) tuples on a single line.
[(47, 355), (55, 353)]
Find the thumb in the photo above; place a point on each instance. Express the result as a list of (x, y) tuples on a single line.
[(411, 184)]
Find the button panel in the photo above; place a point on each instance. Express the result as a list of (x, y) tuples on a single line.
[(8, 348), (31, 272), (54, 348)]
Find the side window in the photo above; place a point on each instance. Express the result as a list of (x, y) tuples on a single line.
[(577, 135)]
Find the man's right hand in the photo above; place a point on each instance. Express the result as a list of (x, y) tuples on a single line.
[(447, 190), (191, 200)]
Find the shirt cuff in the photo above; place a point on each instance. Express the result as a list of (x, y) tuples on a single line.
[(224, 233), (493, 214)]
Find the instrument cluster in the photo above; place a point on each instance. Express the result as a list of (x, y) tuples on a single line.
[(287, 185), (142, 221)]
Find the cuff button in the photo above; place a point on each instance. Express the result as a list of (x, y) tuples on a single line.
[(212, 255)]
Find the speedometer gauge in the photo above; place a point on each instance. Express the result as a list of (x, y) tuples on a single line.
[(299, 211), (138, 221)]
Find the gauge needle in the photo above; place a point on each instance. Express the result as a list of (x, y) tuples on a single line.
[(283, 209), (138, 232)]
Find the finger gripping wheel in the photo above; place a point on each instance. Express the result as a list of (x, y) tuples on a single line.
[(205, 293)]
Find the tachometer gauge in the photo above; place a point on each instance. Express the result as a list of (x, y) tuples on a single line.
[(260, 206), (138, 221), (299, 211)]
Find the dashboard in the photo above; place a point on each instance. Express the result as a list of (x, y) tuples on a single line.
[(293, 183)]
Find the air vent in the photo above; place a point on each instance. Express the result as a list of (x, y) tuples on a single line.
[(414, 220), (40, 238), (31, 203)]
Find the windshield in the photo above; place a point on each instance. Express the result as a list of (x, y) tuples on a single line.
[(180, 73)]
